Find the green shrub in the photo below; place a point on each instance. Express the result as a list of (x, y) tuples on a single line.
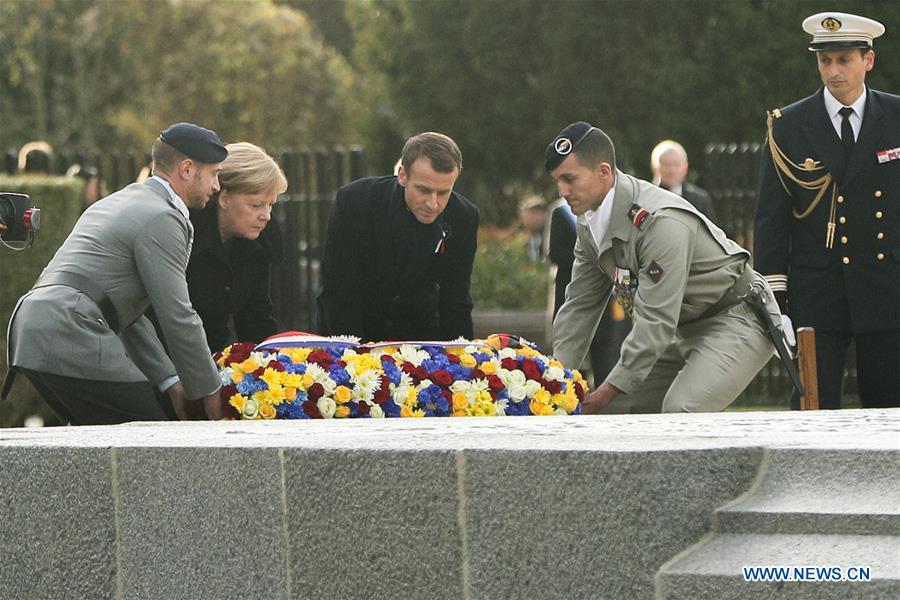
[(59, 199), (503, 276)]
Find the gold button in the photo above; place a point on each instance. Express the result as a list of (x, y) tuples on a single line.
[(843, 220), (843, 239), (840, 199), (846, 260), (878, 214), (878, 193), (880, 256), (880, 236)]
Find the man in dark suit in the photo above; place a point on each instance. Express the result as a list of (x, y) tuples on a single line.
[(669, 163), (80, 334), (399, 251), (827, 219)]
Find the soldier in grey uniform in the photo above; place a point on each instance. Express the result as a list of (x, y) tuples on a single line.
[(80, 335), (695, 344)]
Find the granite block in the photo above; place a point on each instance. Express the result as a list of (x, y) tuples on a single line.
[(57, 531), (201, 523), (382, 524)]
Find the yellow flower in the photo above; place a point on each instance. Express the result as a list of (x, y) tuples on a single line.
[(542, 396), (482, 409), (272, 377), (570, 403), (342, 395), (539, 408), (343, 411), (297, 355), (293, 380), (467, 360), (558, 399), (460, 402), (290, 394), (364, 362), (556, 363), (237, 376), (249, 365), (267, 411), (237, 401), (527, 352), (307, 381), (406, 411), (488, 367)]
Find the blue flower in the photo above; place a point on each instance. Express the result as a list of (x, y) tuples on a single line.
[(459, 372), (250, 385), (481, 357), (338, 374), (390, 409)]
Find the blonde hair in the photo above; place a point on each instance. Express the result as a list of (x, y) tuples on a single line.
[(249, 170)]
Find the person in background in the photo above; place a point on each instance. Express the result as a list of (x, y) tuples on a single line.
[(669, 163), (36, 158), (94, 188), (399, 251), (827, 228), (236, 242), (532, 215)]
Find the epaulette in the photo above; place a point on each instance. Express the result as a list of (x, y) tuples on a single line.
[(776, 112), (637, 215)]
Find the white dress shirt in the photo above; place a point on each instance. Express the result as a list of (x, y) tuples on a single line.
[(833, 107), (598, 220)]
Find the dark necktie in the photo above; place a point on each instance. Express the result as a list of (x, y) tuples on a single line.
[(847, 131)]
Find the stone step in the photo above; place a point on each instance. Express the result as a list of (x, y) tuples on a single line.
[(714, 568), (837, 492)]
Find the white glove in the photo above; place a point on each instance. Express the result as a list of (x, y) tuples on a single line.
[(788, 329)]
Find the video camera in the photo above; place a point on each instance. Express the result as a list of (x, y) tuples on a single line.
[(18, 222)]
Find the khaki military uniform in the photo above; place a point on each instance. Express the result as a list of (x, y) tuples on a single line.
[(694, 346)]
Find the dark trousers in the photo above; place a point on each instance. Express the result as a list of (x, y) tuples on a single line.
[(877, 368), (88, 402)]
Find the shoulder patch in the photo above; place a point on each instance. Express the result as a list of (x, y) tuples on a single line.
[(637, 215)]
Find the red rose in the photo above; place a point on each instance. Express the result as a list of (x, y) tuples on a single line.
[(477, 374), (239, 353), (388, 358), (416, 373), (446, 394), (384, 392), (510, 364), (321, 358), (341, 364), (311, 409), (363, 409), (530, 368), (554, 387), (453, 358), (495, 383), (315, 391), (228, 391), (579, 391), (275, 365), (442, 378), (258, 372)]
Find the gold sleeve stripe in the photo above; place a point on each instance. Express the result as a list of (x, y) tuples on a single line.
[(778, 283)]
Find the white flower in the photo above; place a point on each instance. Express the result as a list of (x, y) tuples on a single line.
[(500, 407), (329, 386), (531, 388), (318, 374), (375, 412), (261, 358), (327, 406), (561, 412), (424, 384), (554, 373), (507, 353), (516, 377), (460, 386), (251, 408), (412, 355), (516, 392), (225, 376), (366, 385)]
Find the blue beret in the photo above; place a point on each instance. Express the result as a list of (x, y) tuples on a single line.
[(565, 143), (199, 143)]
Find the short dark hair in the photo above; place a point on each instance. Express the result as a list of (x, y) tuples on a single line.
[(442, 151), (595, 148), (165, 157)]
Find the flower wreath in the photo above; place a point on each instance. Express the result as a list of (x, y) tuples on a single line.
[(302, 376)]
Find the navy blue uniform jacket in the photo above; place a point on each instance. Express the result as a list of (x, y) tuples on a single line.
[(855, 285)]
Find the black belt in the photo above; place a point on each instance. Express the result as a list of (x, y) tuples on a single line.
[(89, 288)]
